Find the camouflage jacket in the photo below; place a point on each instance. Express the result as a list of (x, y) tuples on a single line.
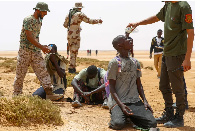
[(76, 20), (33, 25)]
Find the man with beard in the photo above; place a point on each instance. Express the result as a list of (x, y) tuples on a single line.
[(30, 52)]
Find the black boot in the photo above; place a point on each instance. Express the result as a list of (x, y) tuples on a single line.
[(167, 115), (176, 122)]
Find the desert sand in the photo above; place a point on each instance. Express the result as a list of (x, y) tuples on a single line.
[(95, 118)]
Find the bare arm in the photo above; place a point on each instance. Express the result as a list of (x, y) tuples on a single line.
[(142, 95), (34, 42), (60, 71), (187, 63), (149, 20), (99, 89)]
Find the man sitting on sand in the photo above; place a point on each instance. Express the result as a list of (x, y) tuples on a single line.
[(56, 66), (89, 87), (125, 88)]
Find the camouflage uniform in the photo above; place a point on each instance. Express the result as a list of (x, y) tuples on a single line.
[(29, 54), (73, 36)]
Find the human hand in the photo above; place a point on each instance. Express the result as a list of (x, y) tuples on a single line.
[(86, 98), (147, 106), (150, 56), (100, 21), (186, 65), (132, 25), (45, 49), (126, 110)]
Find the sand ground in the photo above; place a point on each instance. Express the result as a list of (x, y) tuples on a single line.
[(95, 118)]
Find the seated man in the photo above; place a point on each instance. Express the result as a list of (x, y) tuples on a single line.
[(56, 66), (89, 87)]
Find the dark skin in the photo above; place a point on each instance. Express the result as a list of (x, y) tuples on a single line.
[(123, 48), (86, 95), (60, 71), (37, 14), (159, 33)]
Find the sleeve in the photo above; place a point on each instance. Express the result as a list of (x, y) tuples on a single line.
[(102, 73), (66, 22), (186, 17), (161, 15), (28, 24), (139, 73), (152, 46), (88, 20), (112, 69), (82, 75)]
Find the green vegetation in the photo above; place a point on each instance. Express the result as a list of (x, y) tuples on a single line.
[(27, 110)]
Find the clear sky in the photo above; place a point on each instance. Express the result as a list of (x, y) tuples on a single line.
[(115, 15)]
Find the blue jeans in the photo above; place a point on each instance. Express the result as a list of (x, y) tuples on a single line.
[(41, 93), (141, 117)]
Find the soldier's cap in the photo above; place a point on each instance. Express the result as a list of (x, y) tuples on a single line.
[(42, 6), (78, 5)]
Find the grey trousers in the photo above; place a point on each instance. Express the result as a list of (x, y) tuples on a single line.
[(141, 117)]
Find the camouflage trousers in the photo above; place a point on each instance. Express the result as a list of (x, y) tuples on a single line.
[(74, 45), (28, 58)]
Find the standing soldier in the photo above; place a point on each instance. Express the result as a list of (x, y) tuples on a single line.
[(30, 51), (72, 23)]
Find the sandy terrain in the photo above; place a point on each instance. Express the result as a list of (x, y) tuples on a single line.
[(94, 118)]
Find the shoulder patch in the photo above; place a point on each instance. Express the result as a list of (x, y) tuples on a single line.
[(188, 18)]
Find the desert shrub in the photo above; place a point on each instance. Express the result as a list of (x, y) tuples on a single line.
[(27, 110), (149, 67), (88, 62), (9, 63)]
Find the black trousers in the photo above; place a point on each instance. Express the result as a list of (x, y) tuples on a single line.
[(171, 80), (141, 117)]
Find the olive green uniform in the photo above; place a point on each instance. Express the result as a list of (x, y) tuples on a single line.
[(177, 17)]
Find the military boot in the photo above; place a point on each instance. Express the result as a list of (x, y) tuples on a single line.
[(167, 115), (71, 70), (176, 122)]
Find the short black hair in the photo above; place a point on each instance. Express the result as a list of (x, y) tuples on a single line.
[(92, 70), (53, 46), (117, 40), (159, 30)]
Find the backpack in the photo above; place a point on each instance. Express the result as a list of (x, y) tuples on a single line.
[(106, 81)]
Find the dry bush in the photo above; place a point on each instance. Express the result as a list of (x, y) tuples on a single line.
[(149, 67), (10, 64), (1, 93), (28, 110)]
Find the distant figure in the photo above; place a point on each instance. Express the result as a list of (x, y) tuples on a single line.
[(157, 44), (96, 52), (72, 23), (87, 52), (90, 52)]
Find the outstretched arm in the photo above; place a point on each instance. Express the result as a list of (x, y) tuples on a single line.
[(99, 89), (149, 20), (90, 21), (35, 42)]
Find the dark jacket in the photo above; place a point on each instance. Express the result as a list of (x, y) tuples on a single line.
[(154, 44)]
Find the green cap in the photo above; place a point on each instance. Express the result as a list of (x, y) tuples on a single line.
[(42, 6)]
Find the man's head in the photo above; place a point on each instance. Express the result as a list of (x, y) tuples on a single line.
[(54, 48), (122, 43), (41, 9), (91, 71), (159, 33)]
